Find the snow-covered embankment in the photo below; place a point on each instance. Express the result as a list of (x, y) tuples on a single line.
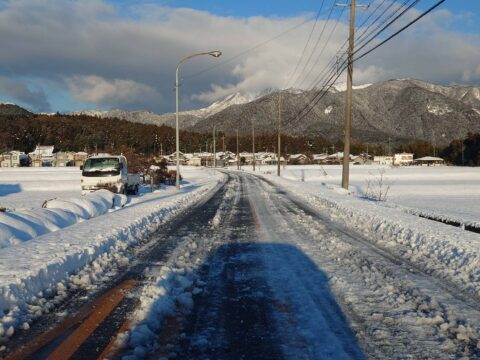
[(37, 273), (23, 225), (446, 251)]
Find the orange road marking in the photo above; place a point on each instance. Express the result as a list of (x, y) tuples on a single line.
[(103, 306), (47, 337)]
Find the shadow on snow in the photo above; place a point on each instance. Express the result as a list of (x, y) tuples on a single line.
[(7, 189), (257, 301)]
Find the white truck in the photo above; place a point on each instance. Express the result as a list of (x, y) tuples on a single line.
[(105, 171)]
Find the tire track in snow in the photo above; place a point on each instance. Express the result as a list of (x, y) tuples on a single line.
[(443, 323)]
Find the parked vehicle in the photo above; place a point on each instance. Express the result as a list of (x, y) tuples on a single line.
[(105, 171)]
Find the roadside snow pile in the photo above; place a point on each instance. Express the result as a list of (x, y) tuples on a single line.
[(449, 252), (36, 275), (23, 225), (172, 286)]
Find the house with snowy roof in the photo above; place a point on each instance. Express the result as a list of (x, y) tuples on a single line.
[(298, 159), (319, 158), (13, 158), (383, 160), (429, 161), (403, 159), (42, 156)]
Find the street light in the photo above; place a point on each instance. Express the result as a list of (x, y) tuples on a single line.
[(216, 54)]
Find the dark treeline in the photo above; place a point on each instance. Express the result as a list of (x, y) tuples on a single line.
[(90, 134), (464, 152)]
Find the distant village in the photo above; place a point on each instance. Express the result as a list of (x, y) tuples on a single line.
[(45, 156)]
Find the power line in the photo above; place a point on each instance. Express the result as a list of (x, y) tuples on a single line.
[(328, 84), (316, 43), (240, 54), (401, 30), (323, 48), (389, 24), (306, 44)]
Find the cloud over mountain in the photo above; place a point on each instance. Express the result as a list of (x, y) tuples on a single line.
[(111, 57)]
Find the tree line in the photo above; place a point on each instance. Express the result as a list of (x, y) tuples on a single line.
[(464, 151), (92, 134)]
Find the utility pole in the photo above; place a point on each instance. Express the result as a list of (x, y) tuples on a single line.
[(223, 143), (253, 143), (348, 102), (238, 154), (214, 149), (279, 127)]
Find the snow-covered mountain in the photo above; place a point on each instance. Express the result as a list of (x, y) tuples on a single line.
[(8, 108), (187, 118), (342, 86), (403, 110), (233, 99)]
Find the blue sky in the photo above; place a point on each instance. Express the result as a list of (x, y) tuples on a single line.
[(246, 8), (284, 8), (66, 55)]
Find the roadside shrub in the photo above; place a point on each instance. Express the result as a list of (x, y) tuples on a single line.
[(377, 186)]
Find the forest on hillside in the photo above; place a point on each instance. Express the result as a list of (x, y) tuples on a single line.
[(86, 133)]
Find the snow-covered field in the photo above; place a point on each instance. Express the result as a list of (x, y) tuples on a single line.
[(445, 192), (37, 270), (448, 251), (26, 188)]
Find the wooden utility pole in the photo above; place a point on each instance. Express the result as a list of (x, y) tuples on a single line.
[(238, 154), (253, 143), (214, 149), (279, 127), (348, 102)]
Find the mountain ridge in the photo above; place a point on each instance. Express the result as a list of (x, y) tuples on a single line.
[(403, 110)]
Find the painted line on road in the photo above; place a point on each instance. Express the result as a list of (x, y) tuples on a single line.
[(102, 307)]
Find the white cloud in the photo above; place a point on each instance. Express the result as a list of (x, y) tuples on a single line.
[(95, 89), (115, 60), (18, 90)]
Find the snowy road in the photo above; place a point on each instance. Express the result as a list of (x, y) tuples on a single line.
[(255, 273)]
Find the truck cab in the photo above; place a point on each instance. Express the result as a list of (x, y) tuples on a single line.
[(108, 172)]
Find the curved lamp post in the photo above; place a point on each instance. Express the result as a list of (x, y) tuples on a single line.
[(216, 54)]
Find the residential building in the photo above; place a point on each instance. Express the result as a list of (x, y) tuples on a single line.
[(79, 158), (42, 155), (12, 159), (298, 159), (429, 161), (383, 160), (64, 158), (319, 158), (403, 159)]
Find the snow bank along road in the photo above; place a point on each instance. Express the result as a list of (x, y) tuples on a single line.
[(253, 272)]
